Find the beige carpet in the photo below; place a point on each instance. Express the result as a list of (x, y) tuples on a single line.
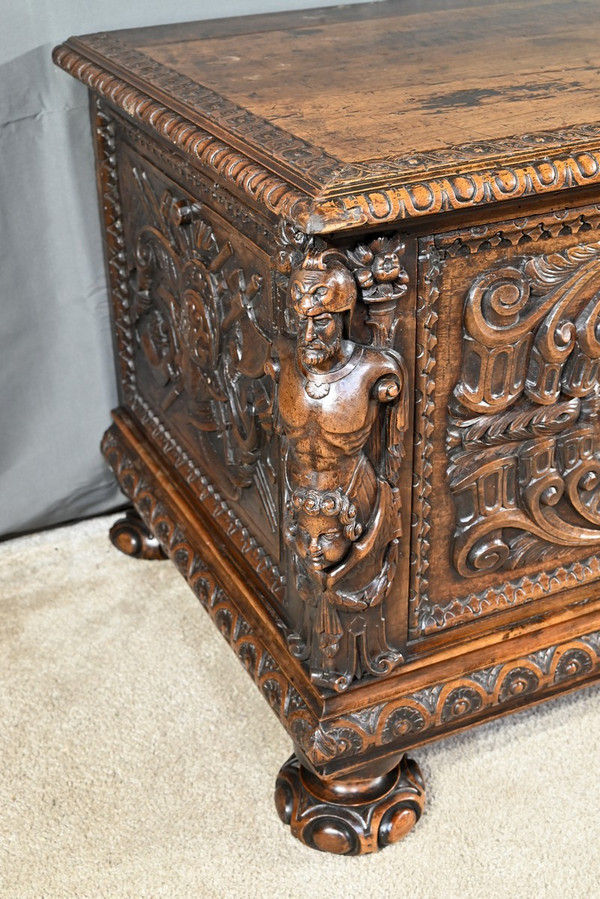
[(138, 759)]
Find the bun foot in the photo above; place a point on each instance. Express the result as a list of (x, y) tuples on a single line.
[(351, 815), (131, 536)]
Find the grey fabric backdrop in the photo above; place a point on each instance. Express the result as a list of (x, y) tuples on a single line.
[(58, 384)]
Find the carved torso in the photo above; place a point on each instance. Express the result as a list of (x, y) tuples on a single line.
[(327, 435)]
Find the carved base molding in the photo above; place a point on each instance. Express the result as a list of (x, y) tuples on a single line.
[(352, 815), (419, 704)]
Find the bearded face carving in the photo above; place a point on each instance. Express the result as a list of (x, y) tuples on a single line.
[(335, 398)]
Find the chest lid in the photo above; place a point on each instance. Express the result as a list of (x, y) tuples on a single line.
[(369, 113)]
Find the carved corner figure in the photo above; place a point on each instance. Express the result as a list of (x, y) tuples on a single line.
[(342, 412)]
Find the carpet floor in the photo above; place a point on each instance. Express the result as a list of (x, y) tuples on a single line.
[(137, 759)]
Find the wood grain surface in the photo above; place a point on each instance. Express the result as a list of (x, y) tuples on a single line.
[(355, 116), (507, 68)]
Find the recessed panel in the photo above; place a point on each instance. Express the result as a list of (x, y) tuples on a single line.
[(507, 487)]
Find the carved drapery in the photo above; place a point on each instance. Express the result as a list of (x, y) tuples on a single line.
[(524, 440), (342, 410)]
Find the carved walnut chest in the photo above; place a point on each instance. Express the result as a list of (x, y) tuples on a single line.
[(354, 260)]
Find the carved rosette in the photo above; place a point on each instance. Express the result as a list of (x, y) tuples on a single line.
[(342, 411), (523, 435)]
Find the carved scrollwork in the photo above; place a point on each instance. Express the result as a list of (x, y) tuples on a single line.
[(517, 337), (581, 467), (523, 434), (194, 311), (341, 407)]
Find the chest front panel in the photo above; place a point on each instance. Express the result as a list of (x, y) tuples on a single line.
[(507, 418)]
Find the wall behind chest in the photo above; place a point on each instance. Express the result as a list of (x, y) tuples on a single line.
[(59, 384)]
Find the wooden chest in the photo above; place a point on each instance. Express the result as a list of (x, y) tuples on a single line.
[(354, 260)]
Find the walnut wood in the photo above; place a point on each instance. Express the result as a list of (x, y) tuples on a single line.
[(355, 313), (425, 699), (352, 815), (472, 128), (131, 536)]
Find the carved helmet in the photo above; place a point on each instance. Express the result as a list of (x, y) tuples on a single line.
[(322, 283)]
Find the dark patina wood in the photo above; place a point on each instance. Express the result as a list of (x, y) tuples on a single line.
[(354, 259), (131, 536)]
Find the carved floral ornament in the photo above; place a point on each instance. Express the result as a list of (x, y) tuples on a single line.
[(523, 436), (194, 310), (127, 342), (336, 396)]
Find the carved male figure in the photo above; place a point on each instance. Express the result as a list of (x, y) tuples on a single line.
[(331, 391), (331, 388)]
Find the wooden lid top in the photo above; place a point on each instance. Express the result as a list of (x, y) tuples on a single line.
[(369, 113)]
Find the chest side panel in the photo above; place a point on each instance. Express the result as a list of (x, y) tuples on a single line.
[(195, 308), (506, 418)]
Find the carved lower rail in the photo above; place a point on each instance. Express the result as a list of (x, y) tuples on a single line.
[(366, 727)]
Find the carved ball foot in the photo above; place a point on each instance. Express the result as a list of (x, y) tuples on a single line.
[(131, 536), (351, 815)]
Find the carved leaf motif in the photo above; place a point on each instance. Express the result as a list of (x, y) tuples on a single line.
[(319, 746), (520, 423), (554, 268)]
